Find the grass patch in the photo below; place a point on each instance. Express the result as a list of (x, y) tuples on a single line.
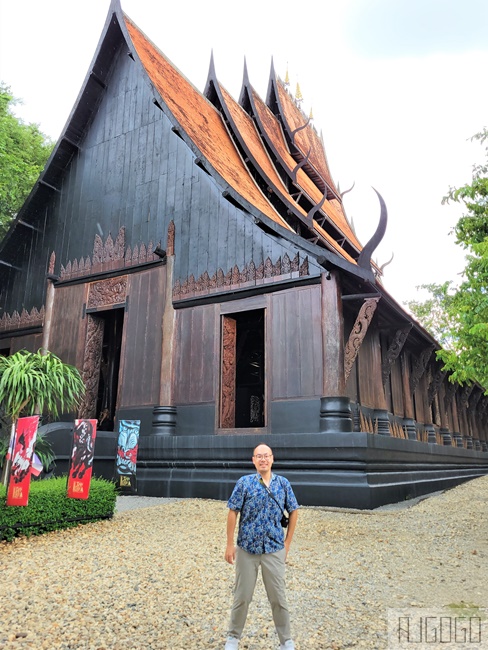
[(49, 508), (467, 610)]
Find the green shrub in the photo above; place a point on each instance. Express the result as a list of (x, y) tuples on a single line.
[(50, 509)]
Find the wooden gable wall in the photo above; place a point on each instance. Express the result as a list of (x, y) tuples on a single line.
[(133, 170)]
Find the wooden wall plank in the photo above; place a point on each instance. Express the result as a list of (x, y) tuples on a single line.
[(29, 342), (296, 348), (68, 326), (195, 363), (397, 388), (142, 339)]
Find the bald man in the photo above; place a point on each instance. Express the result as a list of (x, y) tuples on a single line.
[(261, 500)]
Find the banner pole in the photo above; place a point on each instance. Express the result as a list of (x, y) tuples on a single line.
[(8, 456)]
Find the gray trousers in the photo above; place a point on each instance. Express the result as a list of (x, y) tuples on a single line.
[(273, 573)]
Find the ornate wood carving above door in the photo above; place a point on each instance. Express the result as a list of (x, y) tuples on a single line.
[(106, 293)]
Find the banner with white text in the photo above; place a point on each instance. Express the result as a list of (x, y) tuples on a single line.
[(126, 460), (22, 451), (81, 463)]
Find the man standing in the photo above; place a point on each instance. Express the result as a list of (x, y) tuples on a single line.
[(261, 499)]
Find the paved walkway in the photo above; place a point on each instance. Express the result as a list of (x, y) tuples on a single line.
[(126, 502)]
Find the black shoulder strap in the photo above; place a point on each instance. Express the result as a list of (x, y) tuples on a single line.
[(271, 495)]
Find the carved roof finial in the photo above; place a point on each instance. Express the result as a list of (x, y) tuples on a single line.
[(298, 94), (287, 77), (310, 117)]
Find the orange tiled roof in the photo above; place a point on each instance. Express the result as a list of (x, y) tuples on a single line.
[(275, 134), (200, 121), (205, 127), (247, 129), (307, 138), (254, 144)]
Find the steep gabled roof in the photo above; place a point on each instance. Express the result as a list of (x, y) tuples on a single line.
[(223, 139), (300, 133), (272, 132), (200, 121), (31, 213)]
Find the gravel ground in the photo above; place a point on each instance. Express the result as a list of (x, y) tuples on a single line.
[(155, 578)]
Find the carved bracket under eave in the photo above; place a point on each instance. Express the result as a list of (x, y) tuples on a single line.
[(435, 385), (483, 407), (474, 401), (465, 394), (449, 393), (358, 333), (394, 350), (419, 366)]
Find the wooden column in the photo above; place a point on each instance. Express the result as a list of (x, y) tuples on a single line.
[(408, 420), (335, 407), (164, 415), (48, 313)]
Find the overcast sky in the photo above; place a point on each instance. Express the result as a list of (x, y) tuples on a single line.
[(397, 87)]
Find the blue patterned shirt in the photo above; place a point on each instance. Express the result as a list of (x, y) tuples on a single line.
[(260, 529)]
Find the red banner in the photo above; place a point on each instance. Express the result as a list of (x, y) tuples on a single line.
[(20, 472), (81, 464)]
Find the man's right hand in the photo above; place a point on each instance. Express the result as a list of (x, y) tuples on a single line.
[(230, 553)]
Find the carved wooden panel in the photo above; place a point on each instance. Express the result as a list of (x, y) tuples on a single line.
[(250, 274), (52, 262), (106, 293), (34, 318), (91, 366), (228, 389), (170, 242), (358, 333), (107, 256)]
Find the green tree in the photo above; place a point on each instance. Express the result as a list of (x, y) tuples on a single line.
[(36, 383), (24, 151), (434, 313), (463, 312)]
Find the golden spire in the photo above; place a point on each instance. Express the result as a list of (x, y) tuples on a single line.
[(298, 94), (310, 117), (287, 77)]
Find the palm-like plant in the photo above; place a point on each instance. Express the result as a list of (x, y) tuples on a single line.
[(36, 383)]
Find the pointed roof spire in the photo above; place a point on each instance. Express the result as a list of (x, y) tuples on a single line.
[(211, 77), (246, 73), (298, 94), (310, 117), (287, 76)]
